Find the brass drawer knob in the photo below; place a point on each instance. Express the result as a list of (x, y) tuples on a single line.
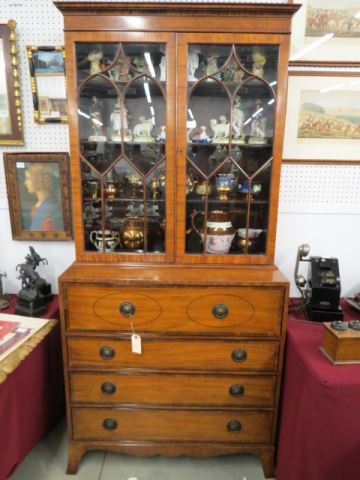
[(127, 309), (220, 310), (110, 424), (108, 388), (239, 355), (107, 353), (234, 426), (237, 390)]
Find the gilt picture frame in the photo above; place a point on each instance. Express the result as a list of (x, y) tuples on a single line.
[(48, 83), (38, 195), (323, 117), (326, 30), (11, 132)]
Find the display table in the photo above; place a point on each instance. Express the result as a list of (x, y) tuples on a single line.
[(31, 396), (319, 431)]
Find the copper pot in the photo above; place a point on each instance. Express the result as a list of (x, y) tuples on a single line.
[(132, 233)]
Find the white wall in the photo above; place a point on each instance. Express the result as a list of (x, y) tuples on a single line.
[(318, 205)]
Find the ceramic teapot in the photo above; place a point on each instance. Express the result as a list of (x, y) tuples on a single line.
[(219, 231), (104, 240)]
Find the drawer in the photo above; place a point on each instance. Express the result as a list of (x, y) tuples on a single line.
[(116, 425), (168, 354), (173, 389), (229, 310)]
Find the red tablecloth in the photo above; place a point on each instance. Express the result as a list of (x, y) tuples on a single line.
[(31, 398), (319, 431)]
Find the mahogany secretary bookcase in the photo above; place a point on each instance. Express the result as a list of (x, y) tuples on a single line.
[(173, 314)]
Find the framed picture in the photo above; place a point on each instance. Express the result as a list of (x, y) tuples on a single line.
[(39, 203), (47, 70), (10, 104), (326, 30), (322, 117)]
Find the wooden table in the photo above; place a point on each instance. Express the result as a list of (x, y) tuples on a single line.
[(31, 397)]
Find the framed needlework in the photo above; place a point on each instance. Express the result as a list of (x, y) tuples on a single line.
[(47, 70), (10, 103), (38, 193)]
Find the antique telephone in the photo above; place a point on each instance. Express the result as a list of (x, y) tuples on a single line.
[(320, 292)]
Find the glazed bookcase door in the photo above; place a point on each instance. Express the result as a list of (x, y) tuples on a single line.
[(125, 145), (230, 147)]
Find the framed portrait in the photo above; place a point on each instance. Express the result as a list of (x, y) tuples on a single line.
[(10, 103), (47, 70), (322, 117), (38, 193), (326, 30)]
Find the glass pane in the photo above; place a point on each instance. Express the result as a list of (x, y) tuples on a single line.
[(94, 58), (122, 127), (230, 122), (99, 114), (259, 60), (146, 58)]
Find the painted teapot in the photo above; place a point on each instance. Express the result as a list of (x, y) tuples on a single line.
[(104, 240)]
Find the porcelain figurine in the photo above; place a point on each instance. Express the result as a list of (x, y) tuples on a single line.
[(259, 61), (142, 130), (212, 64), (258, 127), (162, 134), (220, 232), (237, 121), (116, 122), (220, 129), (120, 71), (193, 62), (95, 57), (96, 107)]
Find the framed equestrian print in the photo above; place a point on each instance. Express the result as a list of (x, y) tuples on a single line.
[(37, 185), (10, 112), (326, 30), (323, 116)]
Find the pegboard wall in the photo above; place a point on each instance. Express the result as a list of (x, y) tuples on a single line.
[(320, 189), (304, 188), (39, 22)]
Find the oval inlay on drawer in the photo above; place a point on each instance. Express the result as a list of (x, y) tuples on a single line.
[(203, 310), (147, 309)]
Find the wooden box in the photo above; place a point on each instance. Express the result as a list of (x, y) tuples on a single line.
[(341, 346)]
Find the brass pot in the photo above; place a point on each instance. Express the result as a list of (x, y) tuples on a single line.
[(132, 233)]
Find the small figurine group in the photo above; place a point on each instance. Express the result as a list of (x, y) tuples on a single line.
[(209, 65), (221, 128)]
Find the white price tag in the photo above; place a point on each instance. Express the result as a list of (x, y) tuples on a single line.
[(136, 343)]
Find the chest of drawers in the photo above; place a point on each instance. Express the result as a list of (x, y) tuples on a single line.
[(207, 380)]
